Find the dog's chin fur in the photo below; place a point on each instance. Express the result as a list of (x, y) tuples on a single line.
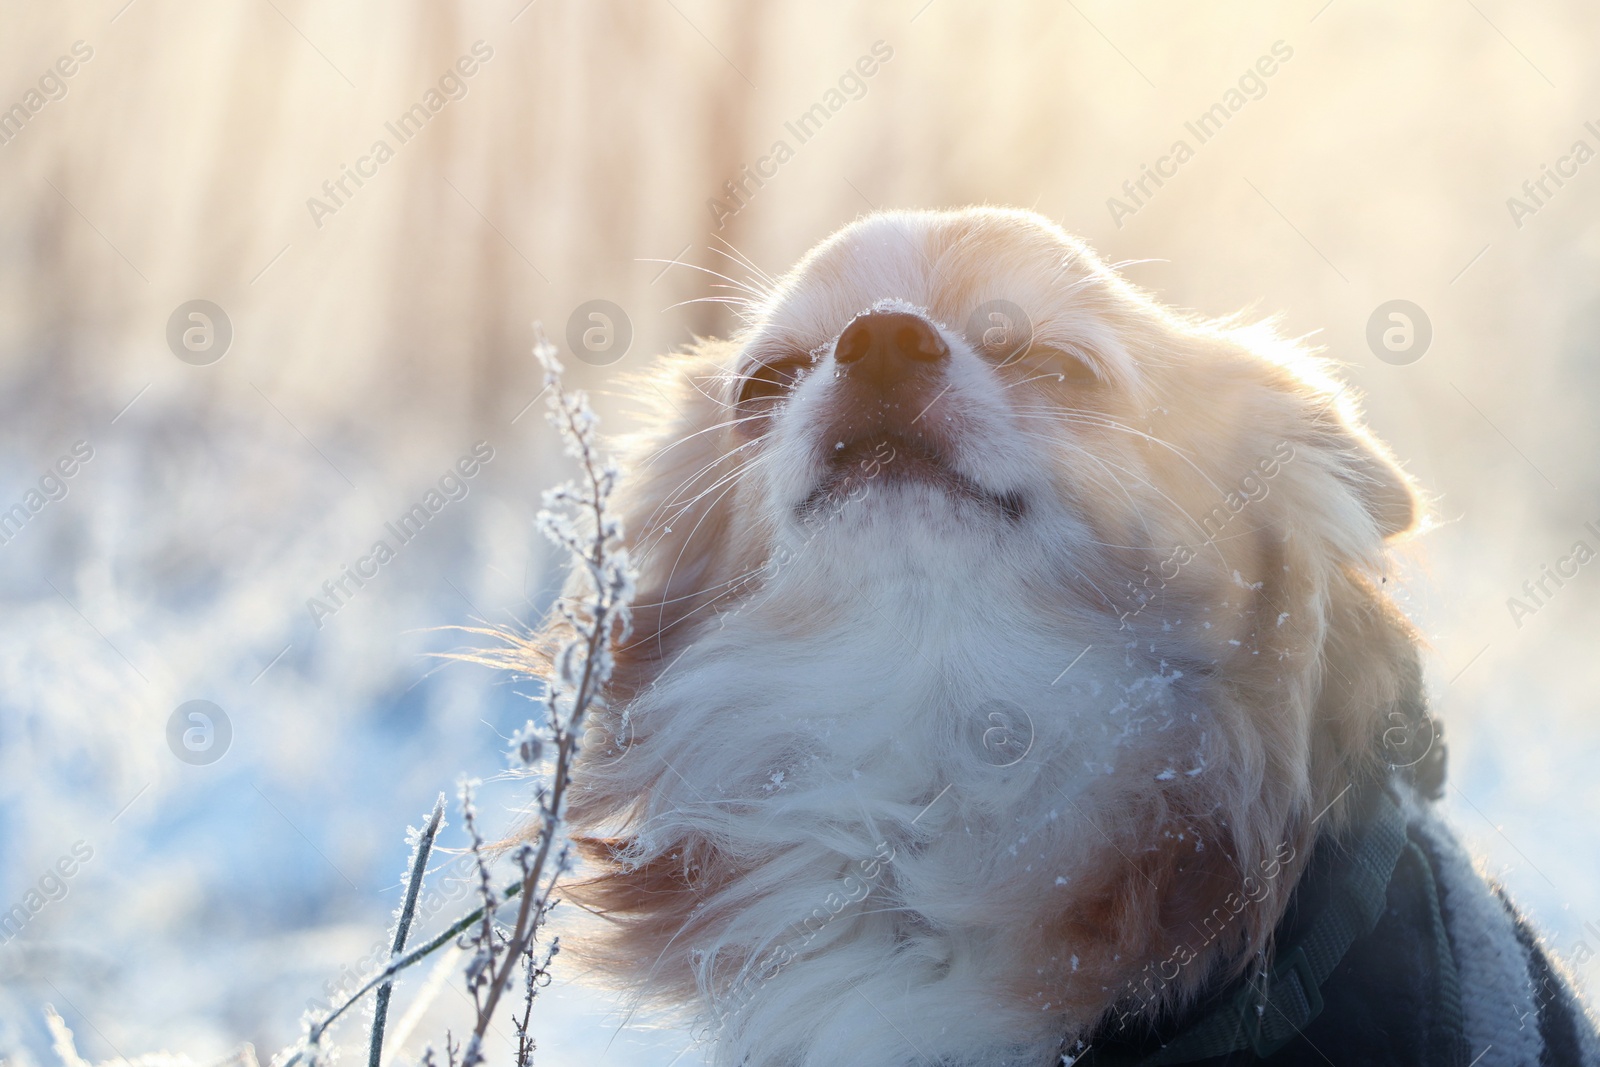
[(945, 762)]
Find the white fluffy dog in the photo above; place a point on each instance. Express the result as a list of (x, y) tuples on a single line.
[(1006, 644)]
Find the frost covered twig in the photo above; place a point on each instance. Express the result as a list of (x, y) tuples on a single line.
[(590, 620), (306, 1051), (577, 518), (423, 845), (537, 975)]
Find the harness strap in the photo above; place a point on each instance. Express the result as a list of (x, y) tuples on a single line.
[(1269, 1012)]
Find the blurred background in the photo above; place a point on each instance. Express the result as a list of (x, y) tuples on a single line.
[(364, 333)]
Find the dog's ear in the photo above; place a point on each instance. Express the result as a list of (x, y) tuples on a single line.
[(1364, 464), (1320, 417)]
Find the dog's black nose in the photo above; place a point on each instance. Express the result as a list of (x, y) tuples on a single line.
[(889, 346)]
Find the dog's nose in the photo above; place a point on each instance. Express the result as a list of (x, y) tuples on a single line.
[(889, 346)]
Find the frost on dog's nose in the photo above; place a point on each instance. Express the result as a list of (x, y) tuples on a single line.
[(888, 347)]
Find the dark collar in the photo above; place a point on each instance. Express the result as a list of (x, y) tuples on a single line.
[(1338, 900)]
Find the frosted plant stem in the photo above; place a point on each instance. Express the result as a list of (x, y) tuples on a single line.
[(530, 914), (581, 668), (416, 955), (604, 618), (419, 868)]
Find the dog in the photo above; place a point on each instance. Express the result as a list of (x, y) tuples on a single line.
[(1013, 679)]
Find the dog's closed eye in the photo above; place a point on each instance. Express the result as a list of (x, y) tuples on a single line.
[(1002, 348), (771, 381), (1066, 365)]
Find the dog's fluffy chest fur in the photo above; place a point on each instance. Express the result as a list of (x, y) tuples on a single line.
[(899, 807)]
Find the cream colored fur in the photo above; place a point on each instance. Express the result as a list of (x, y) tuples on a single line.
[(891, 774)]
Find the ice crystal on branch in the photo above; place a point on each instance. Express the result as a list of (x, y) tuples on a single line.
[(593, 617), (573, 657)]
